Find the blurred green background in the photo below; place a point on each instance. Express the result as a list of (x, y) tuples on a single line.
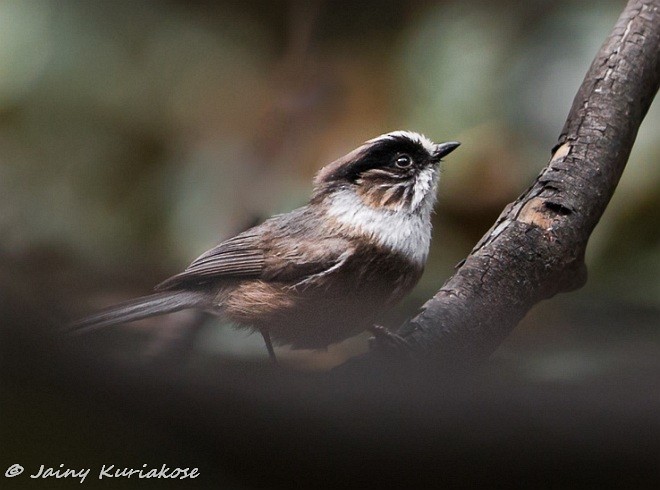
[(134, 135)]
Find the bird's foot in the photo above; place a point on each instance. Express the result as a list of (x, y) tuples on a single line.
[(386, 340)]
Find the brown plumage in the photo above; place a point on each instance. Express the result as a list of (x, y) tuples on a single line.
[(323, 272)]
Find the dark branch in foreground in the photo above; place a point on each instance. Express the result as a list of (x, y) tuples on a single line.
[(536, 247)]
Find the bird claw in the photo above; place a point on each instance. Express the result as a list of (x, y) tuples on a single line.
[(386, 340)]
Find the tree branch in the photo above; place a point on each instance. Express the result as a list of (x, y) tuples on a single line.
[(536, 247)]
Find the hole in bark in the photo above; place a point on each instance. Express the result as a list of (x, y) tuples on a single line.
[(558, 208)]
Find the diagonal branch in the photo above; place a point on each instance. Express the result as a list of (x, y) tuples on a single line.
[(536, 247)]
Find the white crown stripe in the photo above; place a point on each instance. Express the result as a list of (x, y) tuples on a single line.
[(416, 137)]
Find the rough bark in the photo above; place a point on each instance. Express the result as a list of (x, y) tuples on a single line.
[(536, 247)]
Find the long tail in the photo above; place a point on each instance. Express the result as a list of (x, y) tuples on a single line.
[(156, 304)]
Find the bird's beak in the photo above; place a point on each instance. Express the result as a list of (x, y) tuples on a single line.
[(444, 149)]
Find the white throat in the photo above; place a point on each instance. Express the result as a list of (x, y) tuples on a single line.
[(406, 231)]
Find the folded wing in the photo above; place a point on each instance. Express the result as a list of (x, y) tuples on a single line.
[(270, 252), (238, 257)]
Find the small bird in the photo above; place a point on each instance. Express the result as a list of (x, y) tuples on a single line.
[(323, 272)]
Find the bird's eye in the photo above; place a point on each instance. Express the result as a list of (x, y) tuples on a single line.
[(403, 161)]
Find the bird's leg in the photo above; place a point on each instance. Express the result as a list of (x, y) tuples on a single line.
[(386, 339), (269, 344)]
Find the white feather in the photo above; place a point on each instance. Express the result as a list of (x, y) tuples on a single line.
[(406, 231), (424, 187), (428, 145)]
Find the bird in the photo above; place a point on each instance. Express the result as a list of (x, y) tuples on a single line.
[(321, 273)]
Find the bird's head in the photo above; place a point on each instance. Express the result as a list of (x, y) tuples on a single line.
[(397, 171)]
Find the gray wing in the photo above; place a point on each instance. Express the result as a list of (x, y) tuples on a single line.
[(270, 252), (238, 257)]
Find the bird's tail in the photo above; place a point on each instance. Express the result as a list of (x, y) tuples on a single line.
[(156, 304)]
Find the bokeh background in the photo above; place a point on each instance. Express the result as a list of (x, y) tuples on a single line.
[(134, 135)]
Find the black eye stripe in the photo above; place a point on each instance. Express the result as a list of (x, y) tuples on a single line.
[(379, 155)]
